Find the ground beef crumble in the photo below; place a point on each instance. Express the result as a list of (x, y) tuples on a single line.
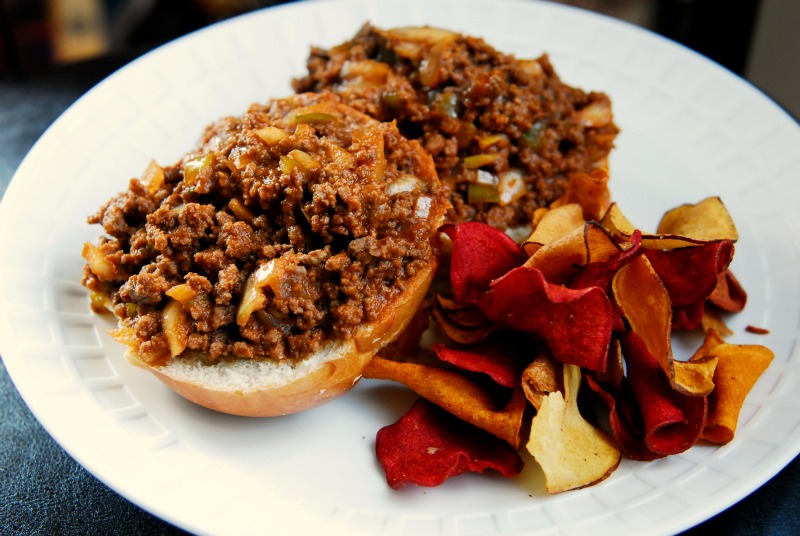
[(324, 211), (505, 133)]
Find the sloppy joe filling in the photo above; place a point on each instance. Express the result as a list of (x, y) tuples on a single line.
[(289, 225), (505, 133)]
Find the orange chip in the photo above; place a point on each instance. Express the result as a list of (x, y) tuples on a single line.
[(461, 397), (738, 369), (712, 320), (541, 377), (590, 191), (552, 225), (560, 259), (645, 303)]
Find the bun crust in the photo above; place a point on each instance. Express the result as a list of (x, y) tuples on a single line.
[(268, 389)]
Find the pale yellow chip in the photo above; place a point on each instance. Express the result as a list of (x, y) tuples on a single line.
[(571, 452)]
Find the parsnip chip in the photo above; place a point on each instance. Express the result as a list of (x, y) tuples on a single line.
[(571, 452), (542, 377), (554, 224), (453, 392), (738, 369), (706, 221), (561, 259)]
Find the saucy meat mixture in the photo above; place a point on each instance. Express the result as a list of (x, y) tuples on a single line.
[(289, 225), (505, 133)]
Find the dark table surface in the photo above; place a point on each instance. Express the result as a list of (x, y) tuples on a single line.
[(44, 491)]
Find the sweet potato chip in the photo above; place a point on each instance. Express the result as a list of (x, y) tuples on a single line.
[(453, 392), (574, 324), (428, 445), (590, 191), (646, 305), (480, 254), (728, 294), (738, 369), (571, 452), (712, 320)]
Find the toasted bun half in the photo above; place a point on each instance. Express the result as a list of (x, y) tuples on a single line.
[(263, 388)]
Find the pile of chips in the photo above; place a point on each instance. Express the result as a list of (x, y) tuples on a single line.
[(587, 305)]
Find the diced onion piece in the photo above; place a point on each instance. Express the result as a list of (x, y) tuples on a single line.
[(365, 70), (253, 298), (175, 324), (195, 166), (484, 177), (487, 141), (406, 183), (287, 164), (342, 157), (304, 160), (511, 185), (311, 118), (482, 193), (182, 293), (479, 160), (99, 302), (98, 264), (153, 177), (597, 114), (532, 68), (125, 335), (241, 211), (271, 135), (423, 207)]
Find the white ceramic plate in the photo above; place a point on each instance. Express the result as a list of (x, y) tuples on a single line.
[(689, 129)]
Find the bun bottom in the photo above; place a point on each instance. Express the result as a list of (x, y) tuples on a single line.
[(264, 388)]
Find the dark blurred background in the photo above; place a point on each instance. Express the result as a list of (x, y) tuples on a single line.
[(757, 39)]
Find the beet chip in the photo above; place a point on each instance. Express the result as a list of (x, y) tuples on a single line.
[(480, 254), (575, 324), (673, 421), (428, 445), (491, 359), (690, 274)]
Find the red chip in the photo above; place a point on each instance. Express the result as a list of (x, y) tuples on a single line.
[(492, 359), (690, 274), (624, 419), (575, 324), (673, 421), (480, 254), (428, 445)]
